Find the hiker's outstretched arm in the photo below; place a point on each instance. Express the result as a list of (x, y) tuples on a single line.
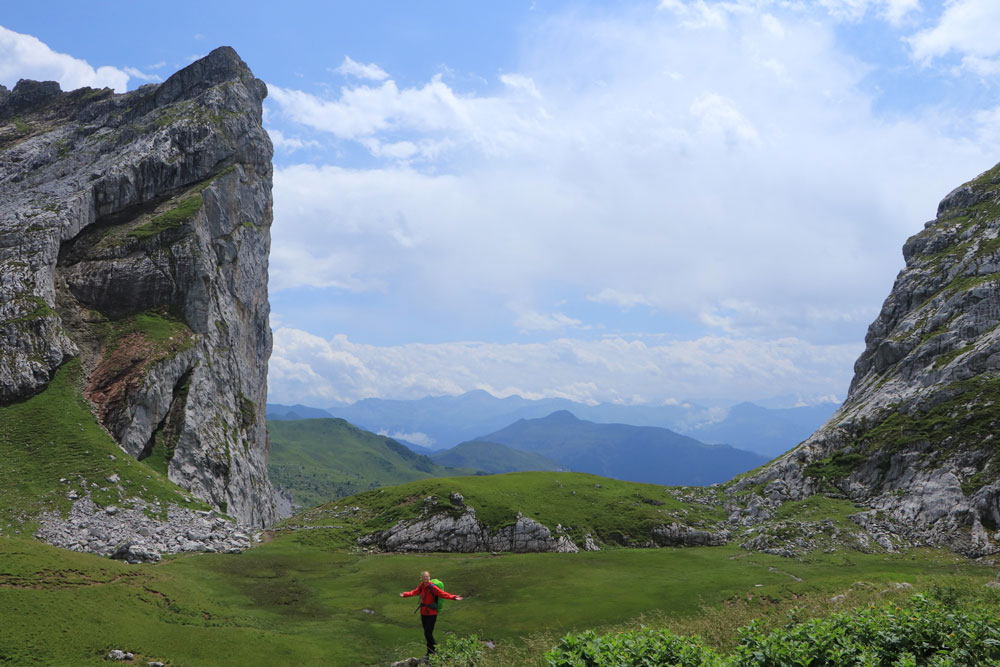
[(409, 594), (444, 594)]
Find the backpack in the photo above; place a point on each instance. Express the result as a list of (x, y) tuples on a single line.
[(438, 601)]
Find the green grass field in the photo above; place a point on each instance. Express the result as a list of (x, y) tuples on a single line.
[(296, 601), (54, 435), (612, 511), (319, 460)]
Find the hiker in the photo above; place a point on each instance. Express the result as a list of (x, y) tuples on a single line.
[(429, 593)]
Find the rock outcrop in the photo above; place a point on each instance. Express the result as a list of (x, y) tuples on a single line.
[(462, 532), (915, 443), (134, 233)]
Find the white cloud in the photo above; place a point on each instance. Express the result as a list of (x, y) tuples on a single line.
[(289, 144), (531, 321), (371, 71), (417, 438), (440, 117), (308, 369), (27, 57), (624, 300), (142, 76), (967, 27), (726, 174)]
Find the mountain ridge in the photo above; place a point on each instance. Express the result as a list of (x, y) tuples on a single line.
[(913, 444)]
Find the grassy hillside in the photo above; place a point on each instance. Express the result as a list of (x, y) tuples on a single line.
[(612, 511), (302, 600), (492, 457), (54, 436), (319, 460), (637, 453)]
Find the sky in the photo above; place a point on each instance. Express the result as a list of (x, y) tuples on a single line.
[(622, 201)]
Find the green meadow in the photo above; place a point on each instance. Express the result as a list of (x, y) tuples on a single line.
[(298, 600), (309, 596)]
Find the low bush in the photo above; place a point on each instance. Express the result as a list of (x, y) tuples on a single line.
[(923, 631)]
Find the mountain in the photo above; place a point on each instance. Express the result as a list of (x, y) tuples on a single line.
[(914, 444), (634, 453), (142, 227), (492, 457), (319, 460), (294, 412), (442, 421), (769, 432)]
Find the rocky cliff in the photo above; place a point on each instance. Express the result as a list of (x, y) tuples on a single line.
[(134, 234), (917, 442)]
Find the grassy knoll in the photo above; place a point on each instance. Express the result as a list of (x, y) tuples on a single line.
[(294, 601), (54, 435), (319, 460), (612, 511)]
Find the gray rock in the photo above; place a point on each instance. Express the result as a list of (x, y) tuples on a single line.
[(930, 369), (156, 200), (463, 533), (119, 655)]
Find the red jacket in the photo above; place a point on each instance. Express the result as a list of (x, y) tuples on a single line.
[(428, 597)]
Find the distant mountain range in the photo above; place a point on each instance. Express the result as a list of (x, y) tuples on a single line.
[(493, 457), (434, 423), (633, 453)]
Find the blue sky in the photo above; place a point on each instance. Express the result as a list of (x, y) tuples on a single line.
[(604, 201)]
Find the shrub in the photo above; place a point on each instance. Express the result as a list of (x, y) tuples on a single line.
[(645, 646), (459, 652), (923, 632)]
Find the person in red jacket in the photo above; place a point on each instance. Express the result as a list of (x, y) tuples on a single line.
[(429, 593)]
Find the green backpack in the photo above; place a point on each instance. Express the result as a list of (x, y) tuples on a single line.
[(438, 601)]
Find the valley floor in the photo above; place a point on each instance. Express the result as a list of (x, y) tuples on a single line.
[(300, 600)]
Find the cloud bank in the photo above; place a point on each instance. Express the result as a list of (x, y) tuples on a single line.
[(26, 57)]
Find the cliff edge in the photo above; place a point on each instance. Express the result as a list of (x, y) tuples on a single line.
[(917, 442), (134, 234)]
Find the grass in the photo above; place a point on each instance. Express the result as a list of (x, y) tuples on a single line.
[(54, 435), (319, 460), (290, 602), (183, 212), (614, 512)]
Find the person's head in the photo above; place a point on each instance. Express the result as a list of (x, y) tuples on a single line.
[(425, 577)]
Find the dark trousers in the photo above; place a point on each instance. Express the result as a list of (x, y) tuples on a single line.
[(428, 622)]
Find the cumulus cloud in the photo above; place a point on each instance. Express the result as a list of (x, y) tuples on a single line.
[(361, 71), (142, 76), (530, 320), (312, 370), (966, 27), (731, 172), (290, 144), (27, 57)]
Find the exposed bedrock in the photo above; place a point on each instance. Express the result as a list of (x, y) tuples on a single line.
[(916, 439), (135, 233)]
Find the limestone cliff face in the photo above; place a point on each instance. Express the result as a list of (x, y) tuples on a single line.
[(918, 439), (135, 232)]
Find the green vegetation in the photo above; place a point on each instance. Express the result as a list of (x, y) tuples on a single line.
[(967, 419), (921, 632), (54, 436), (295, 601), (21, 126), (837, 466), (319, 460), (38, 309), (183, 212), (612, 511)]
